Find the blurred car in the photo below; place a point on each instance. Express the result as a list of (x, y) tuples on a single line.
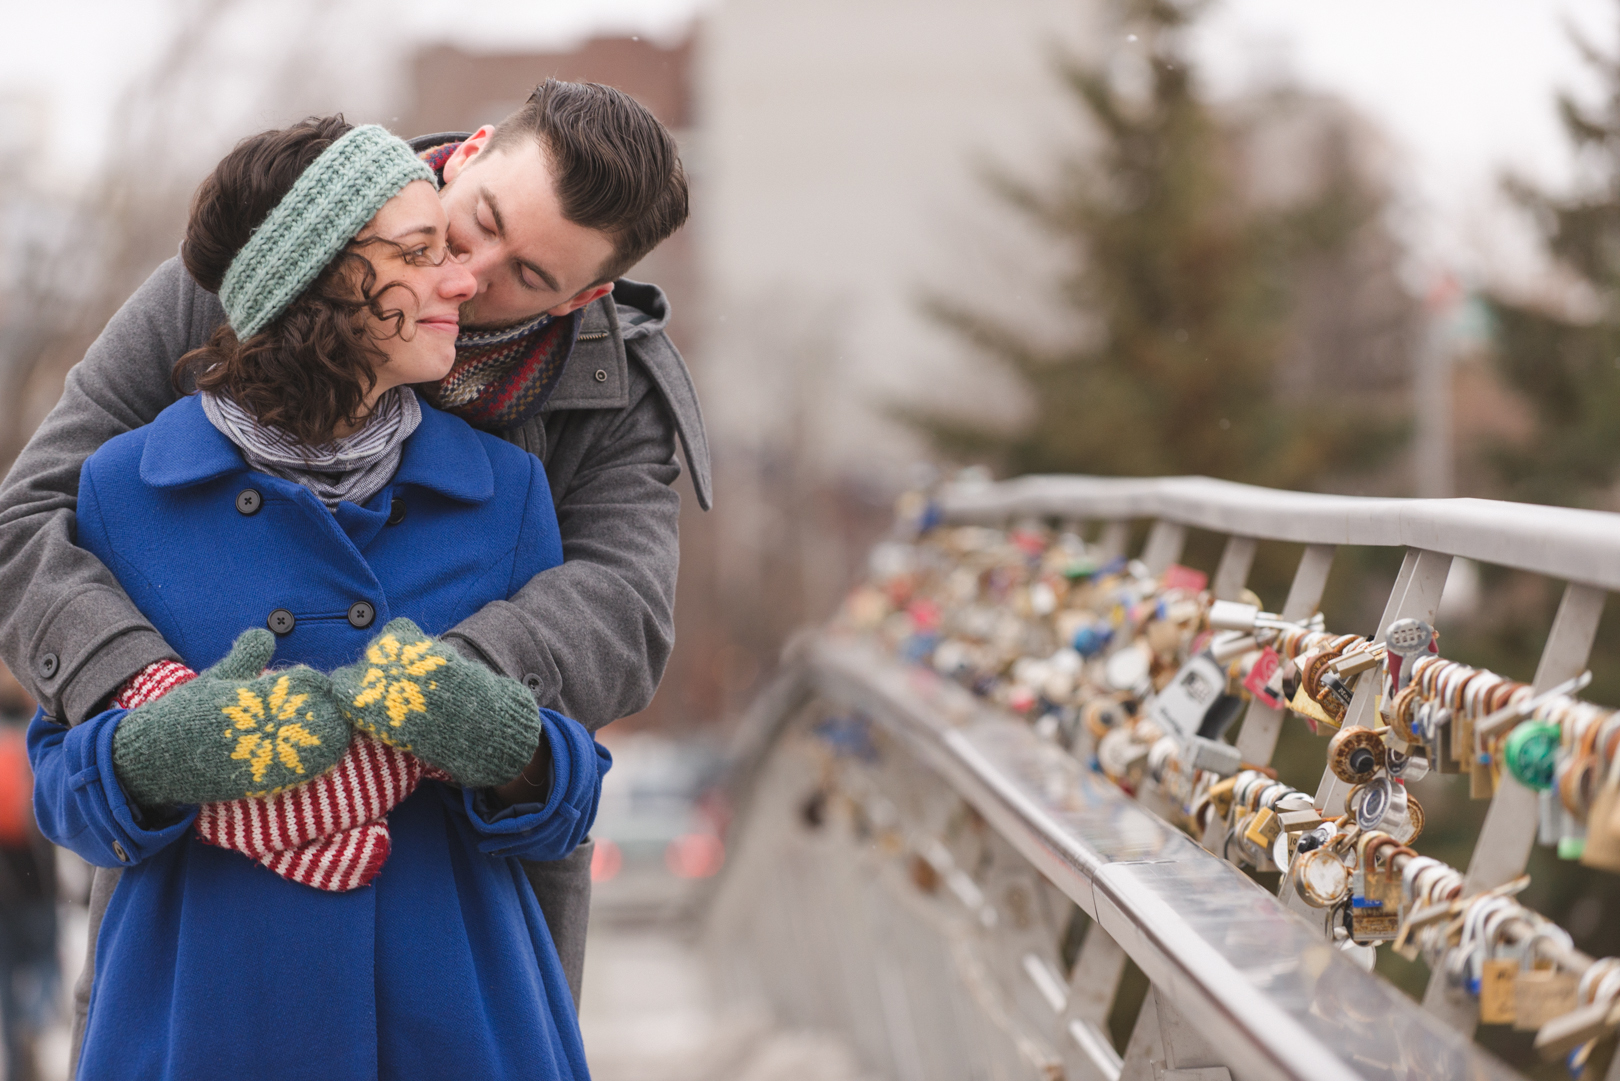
[(660, 826)]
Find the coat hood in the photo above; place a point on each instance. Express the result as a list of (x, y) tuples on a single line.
[(642, 307)]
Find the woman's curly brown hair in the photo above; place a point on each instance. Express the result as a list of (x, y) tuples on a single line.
[(309, 371)]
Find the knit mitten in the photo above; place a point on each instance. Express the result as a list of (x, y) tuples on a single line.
[(420, 695), (234, 731)]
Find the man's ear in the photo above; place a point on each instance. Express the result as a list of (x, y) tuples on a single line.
[(581, 298), (466, 152)]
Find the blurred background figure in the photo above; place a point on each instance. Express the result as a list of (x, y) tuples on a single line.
[(30, 973)]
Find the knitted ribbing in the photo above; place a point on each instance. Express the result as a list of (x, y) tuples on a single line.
[(330, 833), (151, 683), (328, 205)]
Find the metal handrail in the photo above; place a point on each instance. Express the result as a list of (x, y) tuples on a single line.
[(1575, 545), (1255, 979)]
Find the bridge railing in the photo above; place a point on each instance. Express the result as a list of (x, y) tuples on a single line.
[(889, 807)]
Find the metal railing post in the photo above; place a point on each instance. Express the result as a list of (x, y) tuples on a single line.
[(1163, 546), (1093, 986), (1509, 831), (1232, 574), (1257, 739), (1418, 597), (1116, 537), (1164, 1047)]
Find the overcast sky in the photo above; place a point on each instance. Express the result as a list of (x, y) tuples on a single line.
[(1463, 88)]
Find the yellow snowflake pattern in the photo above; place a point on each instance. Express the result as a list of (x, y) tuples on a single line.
[(393, 676), (269, 729)]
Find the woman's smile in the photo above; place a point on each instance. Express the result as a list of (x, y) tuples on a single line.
[(436, 284), (449, 324)]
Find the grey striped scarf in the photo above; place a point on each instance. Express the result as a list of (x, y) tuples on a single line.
[(354, 468)]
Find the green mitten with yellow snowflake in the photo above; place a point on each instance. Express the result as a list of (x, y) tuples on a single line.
[(234, 731), (417, 693)]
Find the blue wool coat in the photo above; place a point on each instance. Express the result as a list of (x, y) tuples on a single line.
[(208, 965)]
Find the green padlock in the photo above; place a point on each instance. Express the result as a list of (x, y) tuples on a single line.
[(1531, 751)]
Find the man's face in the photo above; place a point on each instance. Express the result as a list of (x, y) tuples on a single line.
[(508, 227)]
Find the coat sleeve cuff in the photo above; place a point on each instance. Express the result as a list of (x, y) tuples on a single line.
[(143, 834), (80, 803), (109, 668), (554, 829), (495, 636)]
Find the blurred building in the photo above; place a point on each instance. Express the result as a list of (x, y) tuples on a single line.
[(846, 151)]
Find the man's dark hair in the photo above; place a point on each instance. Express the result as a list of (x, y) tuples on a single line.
[(616, 167), (310, 369)]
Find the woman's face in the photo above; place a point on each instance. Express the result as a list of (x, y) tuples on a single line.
[(424, 347)]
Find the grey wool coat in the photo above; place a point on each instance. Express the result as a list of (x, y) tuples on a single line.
[(590, 638)]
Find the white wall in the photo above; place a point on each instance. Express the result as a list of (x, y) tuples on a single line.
[(838, 177)]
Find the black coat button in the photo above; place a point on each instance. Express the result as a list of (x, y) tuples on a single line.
[(532, 682), (281, 621), (361, 614), (248, 501), (48, 665), (396, 512)]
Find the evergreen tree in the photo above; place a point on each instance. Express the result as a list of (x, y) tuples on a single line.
[(1189, 289), (1569, 369)]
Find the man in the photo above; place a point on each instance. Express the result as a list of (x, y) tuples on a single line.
[(556, 354)]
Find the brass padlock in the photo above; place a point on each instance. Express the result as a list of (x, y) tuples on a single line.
[(1355, 754)]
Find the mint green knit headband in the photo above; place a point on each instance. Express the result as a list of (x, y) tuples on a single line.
[(329, 204)]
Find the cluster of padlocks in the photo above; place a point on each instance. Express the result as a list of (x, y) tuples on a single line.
[(1142, 675)]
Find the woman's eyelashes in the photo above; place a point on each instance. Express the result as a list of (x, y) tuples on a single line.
[(427, 255)]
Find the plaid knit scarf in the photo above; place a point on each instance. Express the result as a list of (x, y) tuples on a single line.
[(502, 378)]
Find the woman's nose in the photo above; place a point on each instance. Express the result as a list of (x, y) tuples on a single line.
[(480, 262), (456, 281)]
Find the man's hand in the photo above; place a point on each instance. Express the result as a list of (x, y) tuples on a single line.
[(232, 732), (420, 695)]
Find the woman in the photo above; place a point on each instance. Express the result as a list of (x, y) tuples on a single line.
[(304, 487)]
